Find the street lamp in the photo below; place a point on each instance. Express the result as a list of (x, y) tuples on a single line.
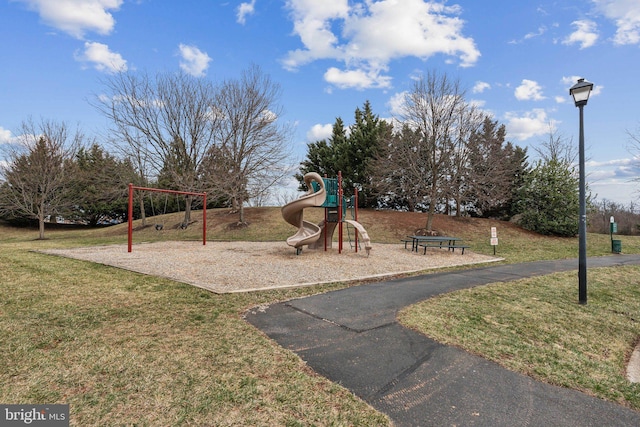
[(580, 92)]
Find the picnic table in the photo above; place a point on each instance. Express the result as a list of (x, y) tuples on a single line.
[(449, 242)]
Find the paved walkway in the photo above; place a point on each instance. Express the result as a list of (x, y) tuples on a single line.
[(351, 337)]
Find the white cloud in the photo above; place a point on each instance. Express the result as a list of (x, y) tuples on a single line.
[(529, 90), (396, 103), (541, 31), (375, 33), (76, 17), (480, 87), (586, 34), (626, 14), (319, 132), (358, 79), (532, 123), (102, 58), (478, 103), (5, 136), (194, 61), (244, 10)]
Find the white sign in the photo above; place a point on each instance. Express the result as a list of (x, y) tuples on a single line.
[(494, 232), (494, 241)]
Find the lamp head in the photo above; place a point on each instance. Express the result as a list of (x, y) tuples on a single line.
[(580, 92)]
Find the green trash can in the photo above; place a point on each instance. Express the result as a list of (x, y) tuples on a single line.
[(616, 246)]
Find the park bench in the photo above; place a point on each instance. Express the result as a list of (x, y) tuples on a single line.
[(450, 246), (406, 242)]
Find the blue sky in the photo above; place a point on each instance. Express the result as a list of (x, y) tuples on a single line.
[(517, 60)]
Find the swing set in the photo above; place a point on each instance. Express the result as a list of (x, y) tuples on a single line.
[(161, 226)]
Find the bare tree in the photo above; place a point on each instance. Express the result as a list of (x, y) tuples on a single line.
[(434, 108), (167, 124), (402, 170), (634, 149), (459, 178), (252, 141), (37, 175), (557, 148)]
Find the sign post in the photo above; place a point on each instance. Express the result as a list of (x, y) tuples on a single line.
[(616, 245), (494, 239)]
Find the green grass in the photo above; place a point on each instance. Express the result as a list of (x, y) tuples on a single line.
[(536, 327), (127, 349), (123, 348)]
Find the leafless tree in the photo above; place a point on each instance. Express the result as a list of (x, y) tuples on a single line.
[(252, 141), (557, 148), (435, 108), (634, 149), (37, 174), (402, 170), (459, 178), (166, 123)]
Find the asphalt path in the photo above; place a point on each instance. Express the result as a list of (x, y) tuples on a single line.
[(351, 337)]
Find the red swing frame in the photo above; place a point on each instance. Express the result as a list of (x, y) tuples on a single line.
[(161, 190)]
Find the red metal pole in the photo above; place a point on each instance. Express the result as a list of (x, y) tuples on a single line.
[(326, 217), (130, 215), (161, 190), (204, 219), (326, 223), (355, 213)]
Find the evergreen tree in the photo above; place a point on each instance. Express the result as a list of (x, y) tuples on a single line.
[(495, 170), (323, 156), (548, 200), (352, 155), (99, 186)]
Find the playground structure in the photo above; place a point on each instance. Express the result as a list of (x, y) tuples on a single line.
[(160, 190), (326, 193)]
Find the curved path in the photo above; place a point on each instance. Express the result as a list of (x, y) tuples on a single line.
[(351, 337)]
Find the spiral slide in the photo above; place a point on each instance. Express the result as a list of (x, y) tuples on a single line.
[(293, 213)]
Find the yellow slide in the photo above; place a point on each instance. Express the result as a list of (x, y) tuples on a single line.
[(293, 213)]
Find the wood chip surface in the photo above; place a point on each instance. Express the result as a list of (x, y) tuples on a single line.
[(224, 267)]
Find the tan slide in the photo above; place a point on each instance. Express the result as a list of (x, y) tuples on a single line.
[(293, 213), (329, 230), (363, 233)]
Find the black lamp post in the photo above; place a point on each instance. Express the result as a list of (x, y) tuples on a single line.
[(580, 92)]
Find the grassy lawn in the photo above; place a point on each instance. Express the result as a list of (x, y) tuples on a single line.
[(127, 349), (536, 327), (123, 348)]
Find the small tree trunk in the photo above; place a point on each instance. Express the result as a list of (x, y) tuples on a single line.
[(187, 211), (432, 206), (241, 211), (41, 223), (430, 216)]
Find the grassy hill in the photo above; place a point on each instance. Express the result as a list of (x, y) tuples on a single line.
[(266, 224)]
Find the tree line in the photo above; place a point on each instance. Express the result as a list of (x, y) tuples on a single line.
[(170, 131), (439, 154)]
